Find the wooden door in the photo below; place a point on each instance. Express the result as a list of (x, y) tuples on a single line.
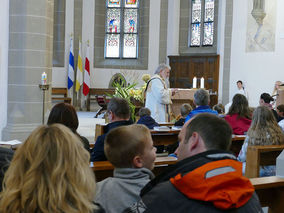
[(184, 68)]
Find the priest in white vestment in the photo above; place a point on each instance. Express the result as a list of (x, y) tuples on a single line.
[(158, 95)]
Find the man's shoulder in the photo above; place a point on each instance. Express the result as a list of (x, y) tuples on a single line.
[(165, 197)]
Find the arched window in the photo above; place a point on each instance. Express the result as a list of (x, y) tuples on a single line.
[(202, 23), (121, 30)]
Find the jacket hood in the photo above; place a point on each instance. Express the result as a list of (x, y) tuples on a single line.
[(219, 182)]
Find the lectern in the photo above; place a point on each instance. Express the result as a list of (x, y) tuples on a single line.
[(182, 96), (280, 97)]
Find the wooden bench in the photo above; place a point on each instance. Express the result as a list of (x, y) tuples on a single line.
[(164, 137), (60, 94), (158, 137), (270, 191), (261, 156), (237, 143), (98, 92), (104, 169)]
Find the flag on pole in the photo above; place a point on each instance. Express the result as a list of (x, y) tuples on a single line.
[(79, 74), (71, 66), (86, 84)]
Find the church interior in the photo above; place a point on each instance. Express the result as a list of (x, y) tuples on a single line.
[(74, 50)]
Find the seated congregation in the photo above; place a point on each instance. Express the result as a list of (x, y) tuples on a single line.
[(50, 171)]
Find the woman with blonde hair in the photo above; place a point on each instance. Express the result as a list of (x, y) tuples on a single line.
[(49, 173), (264, 130)]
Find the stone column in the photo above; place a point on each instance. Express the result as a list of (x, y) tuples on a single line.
[(30, 54)]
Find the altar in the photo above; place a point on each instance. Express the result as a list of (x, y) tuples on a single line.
[(182, 96)]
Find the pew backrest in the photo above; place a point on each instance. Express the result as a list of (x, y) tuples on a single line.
[(261, 156), (60, 94)]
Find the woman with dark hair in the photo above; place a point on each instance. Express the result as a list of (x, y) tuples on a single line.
[(65, 114), (239, 115), (265, 100)]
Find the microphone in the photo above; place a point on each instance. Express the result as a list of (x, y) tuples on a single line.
[(275, 95), (281, 85)]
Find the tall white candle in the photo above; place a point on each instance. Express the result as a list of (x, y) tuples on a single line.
[(194, 82), (43, 78), (202, 82)]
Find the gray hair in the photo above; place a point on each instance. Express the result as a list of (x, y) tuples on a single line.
[(120, 107), (161, 67), (201, 97)]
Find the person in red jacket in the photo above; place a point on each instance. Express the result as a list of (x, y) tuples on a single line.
[(239, 115)]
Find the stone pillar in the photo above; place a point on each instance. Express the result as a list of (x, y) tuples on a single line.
[(30, 54)]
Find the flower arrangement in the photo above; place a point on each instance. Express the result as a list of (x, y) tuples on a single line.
[(134, 96)]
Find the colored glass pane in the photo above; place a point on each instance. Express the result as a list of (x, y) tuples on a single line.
[(208, 33), (112, 45), (196, 11), (195, 35), (131, 3), (113, 3), (113, 21), (209, 10), (130, 20), (130, 46)]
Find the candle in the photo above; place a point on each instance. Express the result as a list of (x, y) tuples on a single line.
[(194, 82), (202, 82), (43, 78)]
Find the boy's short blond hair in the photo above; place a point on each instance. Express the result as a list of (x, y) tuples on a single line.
[(122, 144), (185, 109)]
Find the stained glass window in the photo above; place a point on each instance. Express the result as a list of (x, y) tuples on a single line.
[(121, 29), (196, 11), (202, 23), (113, 21)]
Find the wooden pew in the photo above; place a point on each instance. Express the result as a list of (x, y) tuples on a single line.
[(60, 94), (99, 130), (159, 137), (270, 191), (164, 137), (261, 156), (104, 169), (98, 92), (237, 143)]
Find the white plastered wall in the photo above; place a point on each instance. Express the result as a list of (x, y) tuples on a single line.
[(258, 70)]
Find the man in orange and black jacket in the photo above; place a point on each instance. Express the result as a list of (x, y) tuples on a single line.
[(207, 177)]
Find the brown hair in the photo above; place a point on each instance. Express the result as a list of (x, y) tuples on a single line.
[(123, 143), (65, 114), (264, 129), (280, 107), (49, 173), (219, 108), (215, 132), (185, 109), (144, 111), (240, 107)]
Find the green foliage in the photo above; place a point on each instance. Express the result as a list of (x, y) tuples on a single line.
[(124, 92)]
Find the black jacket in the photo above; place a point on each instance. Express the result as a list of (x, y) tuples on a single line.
[(160, 194), (148, 121), (6, 156), (97, 153)]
